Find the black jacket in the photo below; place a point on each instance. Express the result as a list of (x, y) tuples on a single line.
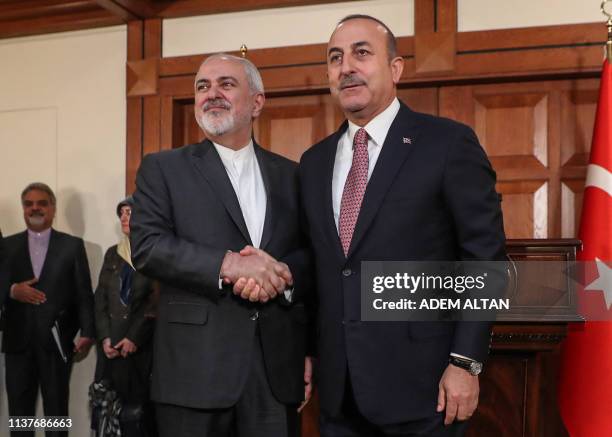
[(185, 217), (66, 282)]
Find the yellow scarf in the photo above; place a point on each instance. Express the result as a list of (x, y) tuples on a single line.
[(124, 250)]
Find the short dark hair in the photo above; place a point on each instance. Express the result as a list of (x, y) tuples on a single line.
[(39, 186), (128, 201), (391, 42)]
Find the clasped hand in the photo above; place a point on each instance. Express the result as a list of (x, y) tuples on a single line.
[(256, 275)]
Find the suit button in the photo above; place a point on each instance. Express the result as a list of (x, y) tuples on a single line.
[(347, 272), (255, 316)]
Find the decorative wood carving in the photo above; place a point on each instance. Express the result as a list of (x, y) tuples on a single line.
[(435, 36), (142, 77)]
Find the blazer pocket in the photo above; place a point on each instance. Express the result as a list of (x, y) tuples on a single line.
[(187, 313)]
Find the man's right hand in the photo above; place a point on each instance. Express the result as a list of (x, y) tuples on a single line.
[(24, 292), (267, 277)]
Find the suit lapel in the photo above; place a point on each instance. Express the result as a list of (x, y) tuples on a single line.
[(23, 255), (207, 161), (267, 166), (392, 156)]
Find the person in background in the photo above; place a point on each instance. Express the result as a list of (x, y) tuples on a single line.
[(50, 300), (4, 289), (124, 324)]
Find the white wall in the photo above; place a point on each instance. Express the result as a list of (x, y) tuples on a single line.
[(277, 27), (62, 121), (487, 15), (313, 24)]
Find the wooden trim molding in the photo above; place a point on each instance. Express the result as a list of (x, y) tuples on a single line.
[(142, 77), (185, 8), (435, 36)]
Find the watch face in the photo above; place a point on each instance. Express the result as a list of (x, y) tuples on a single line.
[(475, 368)]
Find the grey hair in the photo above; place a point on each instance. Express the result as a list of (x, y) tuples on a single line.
[(39, 186), (252, 73)]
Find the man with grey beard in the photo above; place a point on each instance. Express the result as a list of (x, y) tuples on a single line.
[(50, 300), (217, 224)]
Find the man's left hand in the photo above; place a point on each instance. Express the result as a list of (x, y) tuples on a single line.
[(308, 381), (458, 394), (83, 344), (126, 347)]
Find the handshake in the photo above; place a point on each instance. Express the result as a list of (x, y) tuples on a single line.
[(256, 275)]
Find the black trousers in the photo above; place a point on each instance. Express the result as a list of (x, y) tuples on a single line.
[(256, 414), (351, 423), (25, 373)]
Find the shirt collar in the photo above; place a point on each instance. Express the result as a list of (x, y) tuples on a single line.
[(379, 126), (231, 155), (44, 235)]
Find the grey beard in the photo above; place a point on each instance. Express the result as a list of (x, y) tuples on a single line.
[(36, 220), (214, 124)]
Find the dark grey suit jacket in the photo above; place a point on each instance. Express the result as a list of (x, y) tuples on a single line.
[(115, 321), (430, 198), (185, 217), (4, 285), (66, 282)]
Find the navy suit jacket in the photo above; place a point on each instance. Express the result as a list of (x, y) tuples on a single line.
[(431, 196), (66, 282)]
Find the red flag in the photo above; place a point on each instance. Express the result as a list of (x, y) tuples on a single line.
[(585, 386)]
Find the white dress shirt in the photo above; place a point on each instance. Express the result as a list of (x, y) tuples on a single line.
[(377, 130), (38, 245), (244, 174)]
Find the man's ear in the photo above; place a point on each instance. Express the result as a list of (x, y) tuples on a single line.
[(259, 100), (397, 66)]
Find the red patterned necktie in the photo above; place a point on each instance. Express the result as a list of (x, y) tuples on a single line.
[(354, 189)]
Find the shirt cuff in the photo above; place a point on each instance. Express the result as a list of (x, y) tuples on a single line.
[(11, 292), (289, 294), (462, 356)]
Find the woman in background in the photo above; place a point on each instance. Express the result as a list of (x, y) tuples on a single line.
[(124, 308)]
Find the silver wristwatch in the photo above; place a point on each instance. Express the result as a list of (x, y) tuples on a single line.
[(474, 367)]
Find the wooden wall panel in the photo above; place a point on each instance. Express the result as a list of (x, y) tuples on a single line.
[(500, 392), (290, 125), (287, 125), (537, 136), (524, 208)]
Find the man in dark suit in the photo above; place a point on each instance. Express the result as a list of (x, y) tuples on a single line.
[(224, 363), (50, 301), (393, 184), (3, 275)]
